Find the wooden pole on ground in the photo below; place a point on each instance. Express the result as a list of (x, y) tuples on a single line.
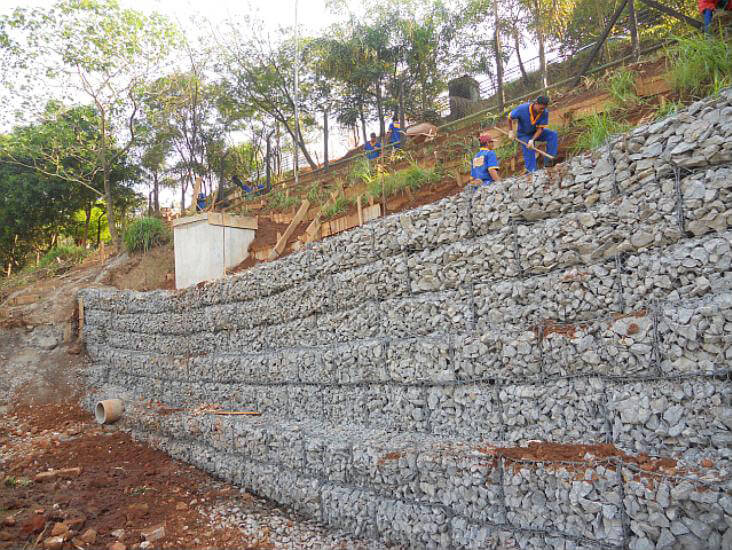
[(282, 241), (673, 13), (599, 43)]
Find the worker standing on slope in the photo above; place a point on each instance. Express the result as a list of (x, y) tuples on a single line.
[(395, 133), (533, 119), (707, 7), (372, 148), (484, 167)]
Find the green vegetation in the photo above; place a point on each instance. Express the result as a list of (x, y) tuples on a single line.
[(144, 234), (339, 206), (62, 253), (667, 108), (597, 129), (11, 482), (316, 194), (700, 65), (360, 172), (507, 150), (279, 201), (621, 86), (412, 178)]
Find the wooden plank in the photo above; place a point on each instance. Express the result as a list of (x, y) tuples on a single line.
[(81, 319), (280, 246), (228, 220), (196, 191), (458, 178), (371, 212), (26, 299), (360, 210)]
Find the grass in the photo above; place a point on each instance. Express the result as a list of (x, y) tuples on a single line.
[(596, 130), (279, 201), (508, 150), (412, 178), (144, 234), (316, 194), (11, 482), (360, 172), (701, 65), (340, 205), (668, 108), (62, 253), (621, 86)]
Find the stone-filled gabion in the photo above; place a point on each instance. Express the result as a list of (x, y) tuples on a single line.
[(587, 304)]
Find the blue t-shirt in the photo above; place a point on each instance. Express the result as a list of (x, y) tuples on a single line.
[(483, 159), (372, 151), (396, 132), (527, 122)]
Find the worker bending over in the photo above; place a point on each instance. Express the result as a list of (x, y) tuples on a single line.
[(533, 119), (372, 148), (395, 133), (707, 7), (484, 167)]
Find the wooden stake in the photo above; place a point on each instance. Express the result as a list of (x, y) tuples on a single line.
[(360, 210), (282, 241)]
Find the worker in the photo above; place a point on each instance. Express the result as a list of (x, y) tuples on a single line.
[(484, 167), (372, 148), (395, 133), (201, 202), (533, 119), (707, 7)]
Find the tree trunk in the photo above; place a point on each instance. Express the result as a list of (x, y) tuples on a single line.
[(87, 219), (156, 192), (402, 121), (325, 138), (99, 228), (634, 40), (380, 110), (363, 123), (542, 58), (183, 197), (499, 60), (517, 44), (105, 177)]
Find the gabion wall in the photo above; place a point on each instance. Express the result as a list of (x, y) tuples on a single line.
[(590, 304)]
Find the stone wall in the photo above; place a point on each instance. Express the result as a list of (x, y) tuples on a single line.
[(397, 366)]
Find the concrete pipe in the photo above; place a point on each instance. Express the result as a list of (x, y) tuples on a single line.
[(109, 411)]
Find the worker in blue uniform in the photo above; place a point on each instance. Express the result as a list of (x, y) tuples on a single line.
[(372, 148), (395, 133), (484, 166), (533, 119)]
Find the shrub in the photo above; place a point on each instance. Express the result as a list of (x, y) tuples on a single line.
[(507, 150), (64, 253), (701, 65), (338, 206), (145, 233), (412, 178), (360, 171), (278, 200), (316, 194), (597, 129)]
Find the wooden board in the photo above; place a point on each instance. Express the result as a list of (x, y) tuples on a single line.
[(227, 220), (25, 299), (81, 319), (282, 241)]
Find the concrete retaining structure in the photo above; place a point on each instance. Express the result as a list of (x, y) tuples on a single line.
[(397, 366)]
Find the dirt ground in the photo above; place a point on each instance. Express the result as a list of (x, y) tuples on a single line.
[(106, 483)]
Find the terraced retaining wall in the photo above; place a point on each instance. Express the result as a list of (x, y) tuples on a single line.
[(399, 366)]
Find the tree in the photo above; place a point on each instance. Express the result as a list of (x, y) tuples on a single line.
[(98, 49), (257, 74)]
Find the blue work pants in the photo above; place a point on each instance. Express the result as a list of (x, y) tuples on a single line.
[(552, 146)]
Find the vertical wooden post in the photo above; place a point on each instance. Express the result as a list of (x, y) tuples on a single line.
[(360, 210), (81, 319), (458, 178), (634, 40)]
